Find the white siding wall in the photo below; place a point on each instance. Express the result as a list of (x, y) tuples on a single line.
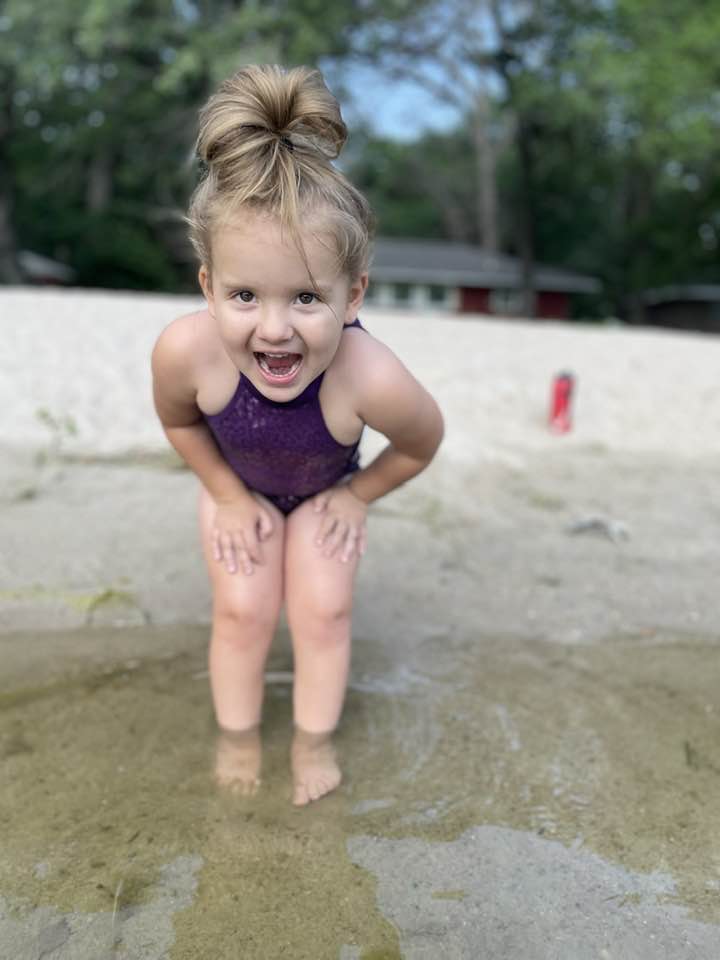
[(419, 298)]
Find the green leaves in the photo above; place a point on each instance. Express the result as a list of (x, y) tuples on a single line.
[(620, 101)]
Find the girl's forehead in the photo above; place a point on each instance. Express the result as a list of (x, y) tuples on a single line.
[(263, 242)]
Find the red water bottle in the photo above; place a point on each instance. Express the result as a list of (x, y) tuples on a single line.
[(560, 402)]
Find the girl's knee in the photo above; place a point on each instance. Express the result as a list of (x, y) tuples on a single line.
[(243, 627), (332, 611), (326, 626)]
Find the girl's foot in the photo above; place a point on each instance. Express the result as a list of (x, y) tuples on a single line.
[(237, 760), (314, 766)]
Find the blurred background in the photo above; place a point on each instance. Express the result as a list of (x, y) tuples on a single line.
[(539, 158)]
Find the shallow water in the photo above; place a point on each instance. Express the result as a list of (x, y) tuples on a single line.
[(107, 749)]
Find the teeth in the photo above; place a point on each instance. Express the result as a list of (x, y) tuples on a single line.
[(277, 356)]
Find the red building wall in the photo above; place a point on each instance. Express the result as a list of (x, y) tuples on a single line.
[(550, 305), (553, 306), (474, 300)]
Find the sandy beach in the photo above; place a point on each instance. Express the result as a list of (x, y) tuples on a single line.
[(530, 739), (82, 357), (75, 391)]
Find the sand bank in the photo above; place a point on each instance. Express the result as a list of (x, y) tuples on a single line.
[(74, 370)]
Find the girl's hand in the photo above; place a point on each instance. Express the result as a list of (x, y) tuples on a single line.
[(342, 530), (240, 527)]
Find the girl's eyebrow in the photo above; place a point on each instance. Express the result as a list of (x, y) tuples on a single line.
[(308, 286)]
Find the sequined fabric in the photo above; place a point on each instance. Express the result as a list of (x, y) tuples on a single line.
[(283, 450)]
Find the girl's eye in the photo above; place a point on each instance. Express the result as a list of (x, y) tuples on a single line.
[(246, 296), (307, 298)]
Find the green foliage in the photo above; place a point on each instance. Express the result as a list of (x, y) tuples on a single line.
[(102, 99), (650, 87), (619, 104), (422, 189), (619, 108)]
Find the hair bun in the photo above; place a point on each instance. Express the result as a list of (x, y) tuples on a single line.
[(266, 140), (262, 104)]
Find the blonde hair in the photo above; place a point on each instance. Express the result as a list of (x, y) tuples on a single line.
[(267, 139)]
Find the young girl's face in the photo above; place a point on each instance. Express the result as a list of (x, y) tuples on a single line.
[(280, 327)]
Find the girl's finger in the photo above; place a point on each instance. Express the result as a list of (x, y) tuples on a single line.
[(351, 542), (245, 561), (325, 529), (336, 538), (228, 552), (253, 547), (320, 502), (216, 548)]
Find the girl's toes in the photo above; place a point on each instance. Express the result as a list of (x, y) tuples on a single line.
[(300, 795)]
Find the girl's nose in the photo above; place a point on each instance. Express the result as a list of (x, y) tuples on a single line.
[(274, 325)]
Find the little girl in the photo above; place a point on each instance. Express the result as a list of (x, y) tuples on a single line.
[(265, 395)]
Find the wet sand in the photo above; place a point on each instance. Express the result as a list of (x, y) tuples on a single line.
[(108, 780), (529, 741)]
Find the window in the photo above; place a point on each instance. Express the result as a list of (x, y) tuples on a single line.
[(509, 303)]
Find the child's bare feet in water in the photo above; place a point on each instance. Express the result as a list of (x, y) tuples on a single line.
[(237, 761), (314, 767)]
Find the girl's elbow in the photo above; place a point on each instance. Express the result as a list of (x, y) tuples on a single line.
[(433, 439), (438, 430)]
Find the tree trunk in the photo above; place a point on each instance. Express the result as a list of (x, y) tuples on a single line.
[(524, 146), (99, 183), (9, 268), (640, 188), (487, 210), (455, 219), (526, 219)]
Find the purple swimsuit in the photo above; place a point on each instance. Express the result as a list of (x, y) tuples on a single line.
[(283, 450)]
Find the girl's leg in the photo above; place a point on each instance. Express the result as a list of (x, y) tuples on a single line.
[(318, 596), (245, 614)]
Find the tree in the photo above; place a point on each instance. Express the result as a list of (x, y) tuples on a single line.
[(599, 118), (101, 98), (443, 47), (485, 58), (654, 69), (420, 189)]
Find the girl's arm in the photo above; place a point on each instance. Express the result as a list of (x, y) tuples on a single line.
[(174, 395), (241, 523), (391, 401)]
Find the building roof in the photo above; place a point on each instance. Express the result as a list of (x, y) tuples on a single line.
[(461, 265), (702, 292), (38, 268)]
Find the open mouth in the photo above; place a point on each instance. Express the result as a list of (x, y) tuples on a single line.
[(279, 367)]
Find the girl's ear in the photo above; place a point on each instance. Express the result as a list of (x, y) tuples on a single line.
[(206, 285), (356, 295)]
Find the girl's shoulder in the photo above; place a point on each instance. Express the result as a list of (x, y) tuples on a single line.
[(185, 335), (182, 357), (384, 394), (365, 362), (187, 344)]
